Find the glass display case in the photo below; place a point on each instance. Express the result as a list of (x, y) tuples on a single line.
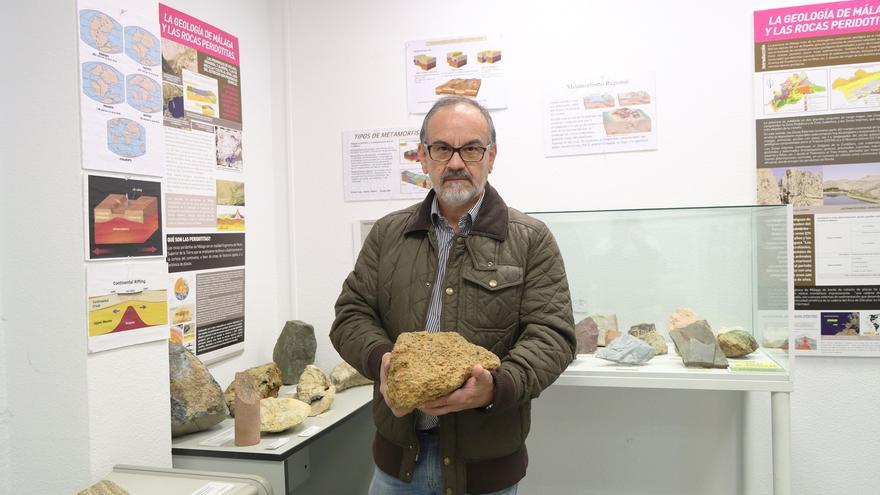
[(731, 266)]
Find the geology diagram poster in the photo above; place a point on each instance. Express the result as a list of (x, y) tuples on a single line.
[(468, 66), (383, 164), (601, 114), (120, 87), (817, 127), (126, 304), (124, 217)]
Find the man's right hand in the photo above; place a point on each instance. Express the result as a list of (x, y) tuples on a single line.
[(383, 387)]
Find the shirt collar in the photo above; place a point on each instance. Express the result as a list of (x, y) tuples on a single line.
[(464, 223)]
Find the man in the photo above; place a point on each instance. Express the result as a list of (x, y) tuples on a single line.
[(459, 261)]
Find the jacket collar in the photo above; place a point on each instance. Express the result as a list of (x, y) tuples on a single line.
[(491, 222)]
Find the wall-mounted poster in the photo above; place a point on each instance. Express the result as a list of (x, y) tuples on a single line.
[(120, 87), (465, 66), (126, 304), (601, 114), (383, 164), (124, 217), (817, 124)]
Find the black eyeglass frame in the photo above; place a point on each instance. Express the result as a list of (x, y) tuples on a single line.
[(457, 150)]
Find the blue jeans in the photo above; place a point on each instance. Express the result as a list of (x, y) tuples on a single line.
[(427, 478)]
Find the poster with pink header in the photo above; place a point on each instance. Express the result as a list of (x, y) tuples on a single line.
[(817, 132), (205, 184)]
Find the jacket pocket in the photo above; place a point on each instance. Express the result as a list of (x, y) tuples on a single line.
[(492, 297), (482, 437)]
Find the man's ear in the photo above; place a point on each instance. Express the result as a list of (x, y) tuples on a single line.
[(423, 157)]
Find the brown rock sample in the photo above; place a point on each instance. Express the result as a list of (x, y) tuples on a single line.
[(268, 383), (587, 333), (247, 403), (648, 332), (610, 335), (282, 413), (697, 345), (345, 376), (103, 487), (606, 323), (737, 343), (196, 399), (425, 366)]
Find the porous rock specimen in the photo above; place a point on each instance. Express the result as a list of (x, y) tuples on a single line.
[(196, 398), (314, 388), (737, 342), (697, 345), (648, 332), (294, 350), (345, 376), (247, 403), (425, 366), (282, 413), (626, 349), (103, 487), (268, 380), (587, 334)]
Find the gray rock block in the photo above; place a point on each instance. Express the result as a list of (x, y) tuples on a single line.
[(294, 350)]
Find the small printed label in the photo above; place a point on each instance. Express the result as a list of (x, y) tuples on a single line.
[(311, 430)]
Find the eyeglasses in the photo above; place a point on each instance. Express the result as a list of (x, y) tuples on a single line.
[(468, 152)]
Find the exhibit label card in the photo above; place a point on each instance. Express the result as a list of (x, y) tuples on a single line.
[(817, 130), (383, 164), (127, 304), (120, 87), (466, 66), (600, 115)]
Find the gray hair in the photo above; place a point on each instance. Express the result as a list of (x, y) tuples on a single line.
[(451, 101)]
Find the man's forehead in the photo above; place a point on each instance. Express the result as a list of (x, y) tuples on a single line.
[(460, 121)]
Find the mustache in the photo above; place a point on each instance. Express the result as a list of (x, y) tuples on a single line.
[(457, 174)]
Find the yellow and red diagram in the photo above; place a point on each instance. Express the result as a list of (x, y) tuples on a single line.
[(113, 313), (456, 59), (416, 179), (119, 220), (426, 62), (488, 56)]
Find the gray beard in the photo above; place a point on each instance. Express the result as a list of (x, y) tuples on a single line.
[(458, 196)]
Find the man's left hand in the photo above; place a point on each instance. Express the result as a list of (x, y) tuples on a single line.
[(477, 391)]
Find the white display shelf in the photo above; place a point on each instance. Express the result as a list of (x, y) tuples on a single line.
[(668, 371)]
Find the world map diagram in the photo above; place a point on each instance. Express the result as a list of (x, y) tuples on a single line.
[(106, 85)]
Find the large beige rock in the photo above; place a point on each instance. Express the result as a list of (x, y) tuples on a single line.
[(425, 366), (196, 399), (103, 487), (345, 376), (314, 388), (268, 382), (282, 413)]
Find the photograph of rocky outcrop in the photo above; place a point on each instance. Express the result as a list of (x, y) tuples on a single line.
[(795, 186), (851, 184)]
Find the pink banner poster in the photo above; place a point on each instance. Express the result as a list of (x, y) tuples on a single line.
[(810, 21), (200, 69)]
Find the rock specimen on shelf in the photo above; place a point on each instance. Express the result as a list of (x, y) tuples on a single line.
[(103, 487), (610, 335), (605, 323), (294, 350), (648, 332), (737, 342), (282, 413), (314, 388), (247, 403), (196, 398), (268, 380), (626, 349), (681, 318), (697, 346), (587, 333), (425, 366), (345, 376)]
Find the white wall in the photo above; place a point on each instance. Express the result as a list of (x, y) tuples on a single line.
[(348, 63), (70, 416)]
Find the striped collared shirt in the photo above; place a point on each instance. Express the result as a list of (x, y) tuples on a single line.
[(445, 235)]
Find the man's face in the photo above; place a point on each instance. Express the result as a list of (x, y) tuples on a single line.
[(457, 182)]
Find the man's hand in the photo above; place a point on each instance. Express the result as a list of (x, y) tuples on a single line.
[(383, 387), (477, 391)]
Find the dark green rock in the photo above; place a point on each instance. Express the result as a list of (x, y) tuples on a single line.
[(294, 350), (737, 343)]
